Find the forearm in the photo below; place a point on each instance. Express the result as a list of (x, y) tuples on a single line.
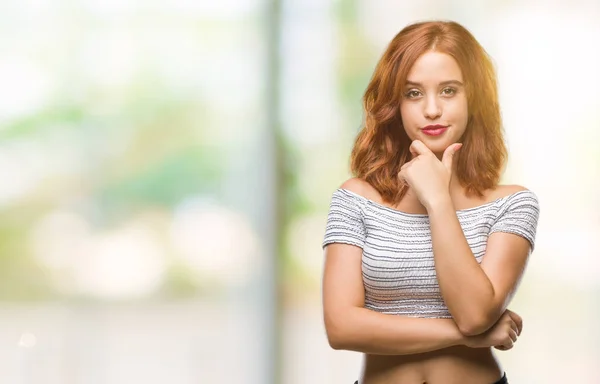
[(467, 291), (363, 330)]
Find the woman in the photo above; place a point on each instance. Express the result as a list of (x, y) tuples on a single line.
[(423, 248)]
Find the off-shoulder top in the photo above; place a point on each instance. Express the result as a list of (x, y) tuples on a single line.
[(397, 261)]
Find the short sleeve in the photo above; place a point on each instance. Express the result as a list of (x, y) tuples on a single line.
[(345, 221), (519, 215)]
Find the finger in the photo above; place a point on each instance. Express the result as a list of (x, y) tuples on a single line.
[(402, 176), (513, 335), (517, 319), (504, 347), (418, 148), (514, 327), (407, 164), (449, 154)]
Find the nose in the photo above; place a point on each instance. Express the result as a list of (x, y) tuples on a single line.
[(432, 109)]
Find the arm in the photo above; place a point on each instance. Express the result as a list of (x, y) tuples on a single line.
[(350, 326), (476, 294)]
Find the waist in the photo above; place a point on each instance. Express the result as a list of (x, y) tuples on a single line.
[(455, 365)]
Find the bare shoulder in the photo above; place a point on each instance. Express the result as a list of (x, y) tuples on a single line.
[(356, 185), (506, 190), (361, 187)]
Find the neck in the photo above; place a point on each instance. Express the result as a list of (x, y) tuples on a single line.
[(455, 188)]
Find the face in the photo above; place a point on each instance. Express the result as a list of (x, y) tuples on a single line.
[(434, 103)]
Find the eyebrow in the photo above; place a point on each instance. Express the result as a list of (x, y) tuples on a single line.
[(447, 82)]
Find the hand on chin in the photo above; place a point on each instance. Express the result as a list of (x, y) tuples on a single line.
[(436, 146)]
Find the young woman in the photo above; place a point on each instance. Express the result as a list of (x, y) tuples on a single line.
[(423, 248)]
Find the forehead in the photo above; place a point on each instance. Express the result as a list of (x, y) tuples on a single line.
[(434, 67)]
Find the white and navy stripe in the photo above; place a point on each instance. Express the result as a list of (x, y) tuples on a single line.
[(397, 263)]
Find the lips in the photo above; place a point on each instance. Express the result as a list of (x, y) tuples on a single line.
[(434, 130), (434, 127)]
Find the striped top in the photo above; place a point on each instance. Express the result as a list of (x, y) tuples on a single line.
[(397, 262)]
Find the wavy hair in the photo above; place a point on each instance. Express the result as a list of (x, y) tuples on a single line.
[(382, 145)]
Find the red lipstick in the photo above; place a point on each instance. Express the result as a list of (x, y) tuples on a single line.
[(434, 130)]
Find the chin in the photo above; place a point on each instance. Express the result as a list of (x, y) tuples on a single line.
[(436, 145)]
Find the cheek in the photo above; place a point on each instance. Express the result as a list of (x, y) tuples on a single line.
[(460, 114), (408, 116)]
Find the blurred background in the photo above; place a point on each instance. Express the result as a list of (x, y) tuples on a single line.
[(166, 169)]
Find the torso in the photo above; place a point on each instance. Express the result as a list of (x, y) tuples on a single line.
[(447, 366), (455, 365)]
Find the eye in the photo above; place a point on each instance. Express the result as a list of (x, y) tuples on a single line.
[(448, 91), (412, 94)]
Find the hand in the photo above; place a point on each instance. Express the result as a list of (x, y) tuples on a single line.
[(427, 175), (501, 336)]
